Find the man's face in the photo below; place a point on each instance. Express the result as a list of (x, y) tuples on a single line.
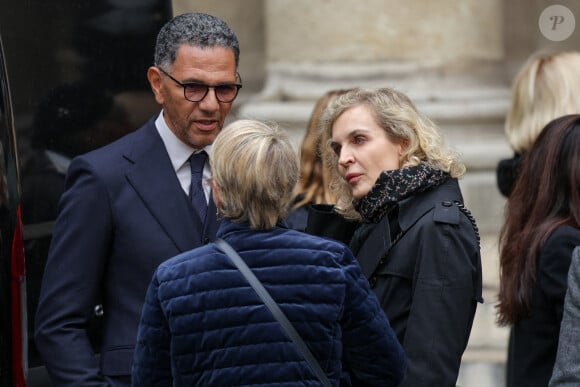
[(195, 123)]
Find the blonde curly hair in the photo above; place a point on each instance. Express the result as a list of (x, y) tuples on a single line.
[(403, 124)]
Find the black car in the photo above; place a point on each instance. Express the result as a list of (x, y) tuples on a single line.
[(13, 348), (72, 78)]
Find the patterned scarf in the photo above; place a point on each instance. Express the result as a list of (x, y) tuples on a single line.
[(394, 186)]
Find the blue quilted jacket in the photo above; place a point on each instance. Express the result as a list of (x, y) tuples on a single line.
[(203, 325)]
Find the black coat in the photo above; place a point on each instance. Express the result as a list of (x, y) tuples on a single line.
[(429, 283), (534, 339)]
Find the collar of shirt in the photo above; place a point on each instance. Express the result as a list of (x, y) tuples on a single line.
[(179, 153)]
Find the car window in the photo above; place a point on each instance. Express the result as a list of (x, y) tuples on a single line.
[(77, 75)]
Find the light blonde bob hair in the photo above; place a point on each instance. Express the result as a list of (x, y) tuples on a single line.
[(403, 124), (255, 168), (546, 87)]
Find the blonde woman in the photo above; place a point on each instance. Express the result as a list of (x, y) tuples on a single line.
[(203, 325), (546, 87), (416, 244)]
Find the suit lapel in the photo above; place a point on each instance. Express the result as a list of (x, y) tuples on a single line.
[(155, 182)]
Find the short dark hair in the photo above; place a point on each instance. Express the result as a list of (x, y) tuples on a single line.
[(195, 29)]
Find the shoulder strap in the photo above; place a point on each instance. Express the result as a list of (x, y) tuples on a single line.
[(274, 308), (469, 216)]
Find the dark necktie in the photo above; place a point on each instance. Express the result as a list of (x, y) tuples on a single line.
[(196, 193)]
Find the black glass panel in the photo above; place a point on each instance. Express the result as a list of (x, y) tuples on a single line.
[(77, 73)]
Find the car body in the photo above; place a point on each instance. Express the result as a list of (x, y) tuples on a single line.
[(13, 348)]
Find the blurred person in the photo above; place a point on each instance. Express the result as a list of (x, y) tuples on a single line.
[(546, 87), (71, 119), (539, 233), (566, 371), (203, 325), (417, 244), (126, 208), (314, 180)]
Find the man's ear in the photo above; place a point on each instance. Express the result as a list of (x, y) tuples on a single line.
[(154, 77), (215, 193)]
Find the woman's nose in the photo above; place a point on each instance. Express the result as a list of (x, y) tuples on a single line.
[(345, 157)]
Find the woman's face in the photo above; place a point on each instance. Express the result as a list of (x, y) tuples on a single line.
[(363, 149)]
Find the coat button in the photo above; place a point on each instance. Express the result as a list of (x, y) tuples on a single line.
[(447, 204), (206, 240)]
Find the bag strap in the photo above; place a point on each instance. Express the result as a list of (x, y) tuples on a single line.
[(274, 308)]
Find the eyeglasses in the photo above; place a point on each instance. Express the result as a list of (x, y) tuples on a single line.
[(195, 92)]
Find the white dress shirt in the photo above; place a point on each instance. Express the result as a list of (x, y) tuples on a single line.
[(179, 153)]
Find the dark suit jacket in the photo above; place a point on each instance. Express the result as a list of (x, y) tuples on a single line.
[(123, 212)]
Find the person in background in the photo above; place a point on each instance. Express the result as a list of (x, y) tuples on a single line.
[(540, 230), (203, 325), (126, 206), (314, 181), (546, 87), (417, 244), (72, 118), (566, 371)]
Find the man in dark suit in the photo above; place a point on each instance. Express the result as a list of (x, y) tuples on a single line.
[(126, 206)]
